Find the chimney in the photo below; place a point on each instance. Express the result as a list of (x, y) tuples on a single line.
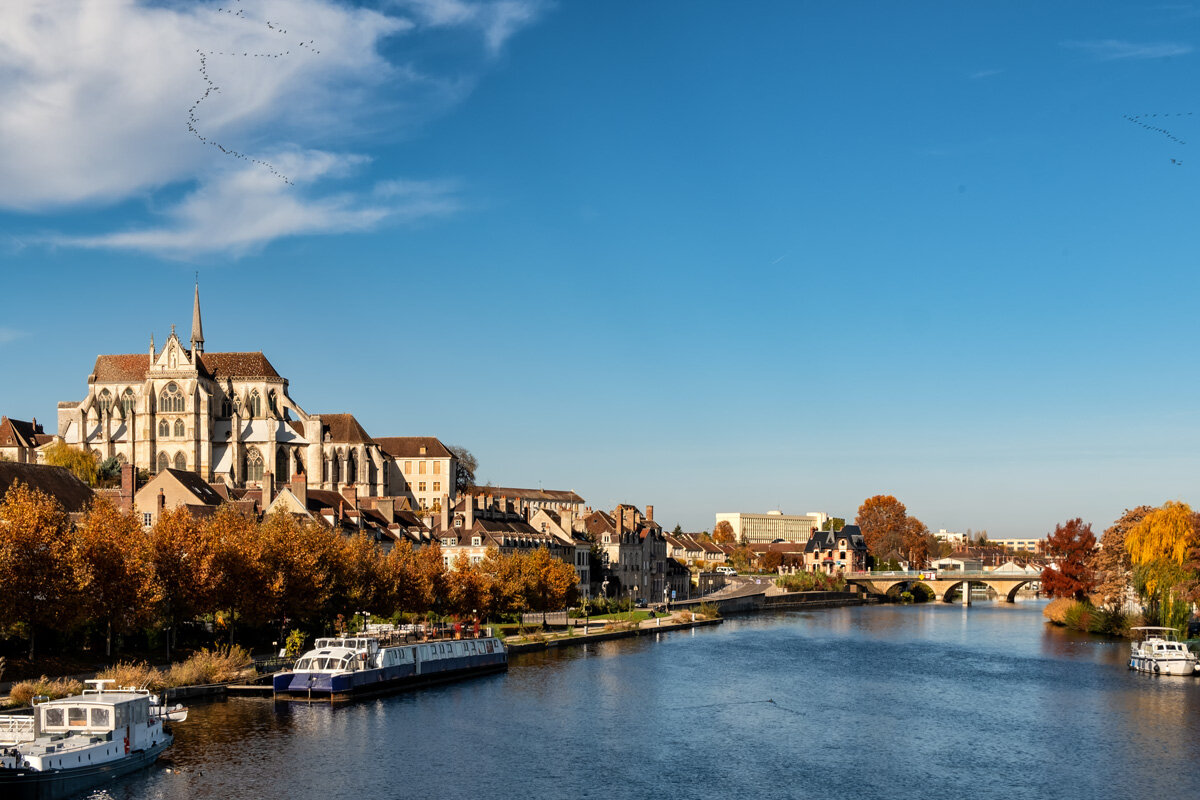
[(503, 504), (568, 521), (445, 512), (650, 513), (162, 501), (620, 515), (36, 428), (470, 521), (387, 507), (268, 487), (351, 494), (128, 487), (299, 487)]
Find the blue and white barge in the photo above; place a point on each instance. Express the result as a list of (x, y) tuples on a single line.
[(345, 667)]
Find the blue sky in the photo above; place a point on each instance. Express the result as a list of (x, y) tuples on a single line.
[(709, 256)]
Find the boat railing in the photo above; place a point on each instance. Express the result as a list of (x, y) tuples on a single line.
[(16, 728)]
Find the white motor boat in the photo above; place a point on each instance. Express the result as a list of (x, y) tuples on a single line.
[(67, 746), (1158, 650)]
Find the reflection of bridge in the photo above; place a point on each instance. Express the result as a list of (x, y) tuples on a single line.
[(942, 582)]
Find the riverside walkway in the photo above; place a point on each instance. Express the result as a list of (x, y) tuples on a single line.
[(943, 583)]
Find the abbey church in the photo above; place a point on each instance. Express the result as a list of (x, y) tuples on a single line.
[(229, 418)]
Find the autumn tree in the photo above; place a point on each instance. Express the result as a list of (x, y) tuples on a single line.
[(883, 521), (1159, 547), (468, 589), (1114, 569), (917, 543), (81, 463), (119, 584), (723, 533), (431, 578), (506, 586), (1071, 546), (184, 561), (41, 572), (550, 582), (770, 561)]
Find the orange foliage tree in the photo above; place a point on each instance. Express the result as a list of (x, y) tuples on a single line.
[(184, 567), (119, 587), (1071, 545), (41, 573)]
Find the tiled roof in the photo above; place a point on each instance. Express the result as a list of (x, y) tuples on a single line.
[(599, 522), (129, 368), (197, 486), (344, 428), (132, 367), (238, 365), (410, 447), (58, 482), (549, 495), (25, 434)]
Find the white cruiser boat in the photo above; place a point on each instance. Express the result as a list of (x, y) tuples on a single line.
[(1158, 651), (357, 665), (73, 744)]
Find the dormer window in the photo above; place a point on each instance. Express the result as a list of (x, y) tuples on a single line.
[(458, 522), (476, 541)]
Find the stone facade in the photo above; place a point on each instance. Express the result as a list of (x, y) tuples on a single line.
[(227, 417)]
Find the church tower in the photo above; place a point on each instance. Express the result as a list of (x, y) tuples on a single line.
[(197, 328)]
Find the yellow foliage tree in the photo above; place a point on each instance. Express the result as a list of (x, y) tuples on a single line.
[(1164, 536), (80, 462)]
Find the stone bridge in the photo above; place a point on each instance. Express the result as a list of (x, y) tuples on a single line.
[(942, 583)]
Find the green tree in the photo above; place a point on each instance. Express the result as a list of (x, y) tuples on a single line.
[(833, 524)]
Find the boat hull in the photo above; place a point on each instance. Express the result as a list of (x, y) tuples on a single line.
[(26, 784), (344, 685), (1161, 666)]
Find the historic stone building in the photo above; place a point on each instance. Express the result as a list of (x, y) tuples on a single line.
[(227, 417)]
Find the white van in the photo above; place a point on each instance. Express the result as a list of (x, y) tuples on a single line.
[(727, 570)]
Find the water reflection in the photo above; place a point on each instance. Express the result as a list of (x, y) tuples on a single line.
[(843, 703)]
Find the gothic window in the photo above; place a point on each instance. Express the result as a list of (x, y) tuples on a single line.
[(352, 468), (226, 407), (273, 402), (127, 401), (254, 465), (179, 429), (254, 405), (163, 462), (180, 461), (324, 469), (164, 429), (171, 399), (281, 464), (105, 401), (336, 476)]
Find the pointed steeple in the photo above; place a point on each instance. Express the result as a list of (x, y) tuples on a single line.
[(197, 328)]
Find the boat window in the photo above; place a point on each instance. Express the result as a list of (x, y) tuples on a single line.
[(320, 663), (100, 717), (303, 663), (122, 717), (54, 716), (77, 716)]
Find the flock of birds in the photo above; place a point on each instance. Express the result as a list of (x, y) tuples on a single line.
[(1154, 127), (193, 123)]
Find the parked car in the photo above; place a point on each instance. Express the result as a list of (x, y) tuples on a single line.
[(727, 570)]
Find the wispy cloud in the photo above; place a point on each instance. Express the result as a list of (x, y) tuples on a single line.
[(1118, 49), (8, 335), (244, 208), (94, 99)]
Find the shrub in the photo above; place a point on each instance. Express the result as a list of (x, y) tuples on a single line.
[(1056, 610), (221, 665), (22, 693), (139, 674), (708, 611), (1078, 616)]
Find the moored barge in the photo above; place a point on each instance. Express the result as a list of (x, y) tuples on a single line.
[(352, 666)]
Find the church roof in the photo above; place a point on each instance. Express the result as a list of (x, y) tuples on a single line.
[(133, 367), (410, 447), (344, 428), (548, 495)]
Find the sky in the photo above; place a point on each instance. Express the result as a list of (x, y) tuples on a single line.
[(707, 256)]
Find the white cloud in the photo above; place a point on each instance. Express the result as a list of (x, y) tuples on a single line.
[(497, 20), (245, 207), (95, 98), (8, 335), (1117, 49)]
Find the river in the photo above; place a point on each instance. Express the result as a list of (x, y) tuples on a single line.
[(927, 701)]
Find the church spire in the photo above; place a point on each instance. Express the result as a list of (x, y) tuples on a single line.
[(197, 329)]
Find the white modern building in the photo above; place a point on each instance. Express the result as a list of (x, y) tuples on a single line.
[(773, 526)]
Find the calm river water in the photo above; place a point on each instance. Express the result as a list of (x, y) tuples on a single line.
[(929, 701)]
